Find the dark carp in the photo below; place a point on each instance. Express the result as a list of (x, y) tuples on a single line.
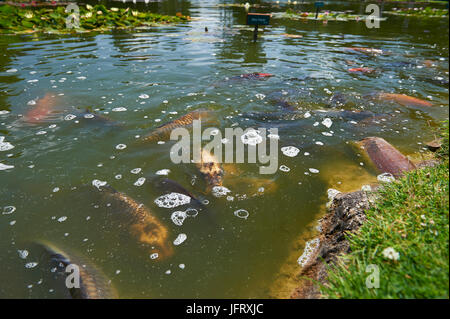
[(142, 223), (93, 283), (163, 131), (385, 157)]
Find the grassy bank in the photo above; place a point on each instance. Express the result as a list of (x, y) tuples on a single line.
[(14, 19), (406, 236)]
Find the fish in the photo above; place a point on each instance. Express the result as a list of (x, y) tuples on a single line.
[(163, 131), (142, 223), (252, 76), (385, 157), (370, 51), (361, 70), (93, 283), (169, 185), (294, 36), (42, 109), (211, 169), (403, 99)]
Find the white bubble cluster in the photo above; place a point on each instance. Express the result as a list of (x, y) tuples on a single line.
[(219, 191), (119, 109), (251, 137), (121, 146), (310, 248), (172, 200), (140, 181), (144, 96), (164, 171), (7, 210), (69, 117), (290, 151), (31, 265), (180, 239), (5, 146), (241, 213), (178, 217), (284, 168), (98, 183), (327, 122), (313, 170), (5, 167), (23, 253), (154, 256)]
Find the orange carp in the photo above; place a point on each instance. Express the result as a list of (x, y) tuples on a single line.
[(386, 157), (361, 70), (366, 50), (163, 131), (42, 109), (210, 169), (403, 99)]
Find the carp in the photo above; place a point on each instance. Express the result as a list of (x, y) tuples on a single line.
[(42, 109), (143, 225), (370, 51), (361, 70), (163, 131), (385, 157), (211, 169), (403, 99), (93, 283)]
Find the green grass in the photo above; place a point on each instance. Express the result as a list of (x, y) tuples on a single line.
[(411, 216)]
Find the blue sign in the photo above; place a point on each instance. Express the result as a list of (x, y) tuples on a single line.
[(258, 18), (318, 4)]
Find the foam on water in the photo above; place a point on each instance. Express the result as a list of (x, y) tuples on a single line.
[(23, 253), (313, 170), (69, 117), (31, 265), (178, 217), (290, 151), (327, 122), (284, 168), (119, 109), (241, 213), (219, 191), (172, 200), (154, 256), (5, 167), (164, 171), (5, 146), (180, 239), (7, 210), (310, 248), (140, 181), (98, 183), (251, 137), (121, 146)]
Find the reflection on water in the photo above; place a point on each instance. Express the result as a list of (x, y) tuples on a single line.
[(98, 94)]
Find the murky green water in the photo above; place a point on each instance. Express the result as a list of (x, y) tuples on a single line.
[(182, 68)]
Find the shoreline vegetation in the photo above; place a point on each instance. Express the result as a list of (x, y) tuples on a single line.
[(391, 242), (52, 19)]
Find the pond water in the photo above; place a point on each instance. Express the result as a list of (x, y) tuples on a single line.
[(141, 79)]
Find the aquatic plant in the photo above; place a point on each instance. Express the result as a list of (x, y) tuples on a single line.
[(15, 19), (419, 12)]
